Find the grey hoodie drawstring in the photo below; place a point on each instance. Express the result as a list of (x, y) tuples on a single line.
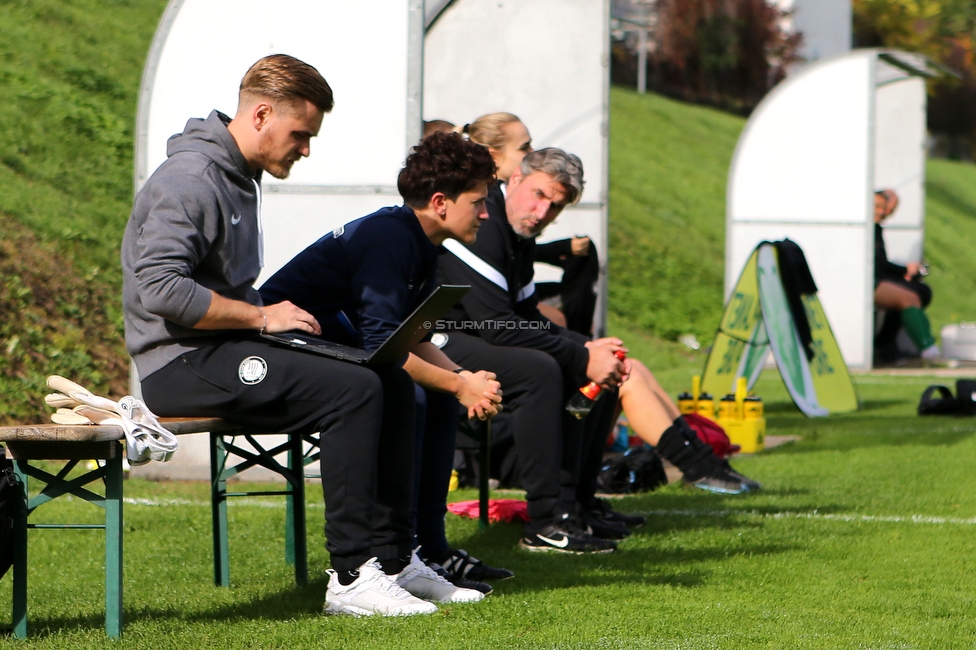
[(257, 188)]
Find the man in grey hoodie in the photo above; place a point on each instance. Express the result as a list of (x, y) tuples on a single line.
[(190, 255)]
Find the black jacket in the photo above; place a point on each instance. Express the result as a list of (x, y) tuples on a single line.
[(511, 316), (883, 269)]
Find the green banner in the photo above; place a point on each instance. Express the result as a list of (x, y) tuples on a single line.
[(740, 344), (757, 318)]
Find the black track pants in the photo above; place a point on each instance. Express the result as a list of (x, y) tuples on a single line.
[(436, 427), (596, 430), (266, 388), (532, 383)]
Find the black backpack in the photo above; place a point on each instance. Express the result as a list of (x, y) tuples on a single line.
[(11, 495), (938, 400), (640, 469)]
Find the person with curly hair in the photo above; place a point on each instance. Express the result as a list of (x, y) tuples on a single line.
[(363, 279)]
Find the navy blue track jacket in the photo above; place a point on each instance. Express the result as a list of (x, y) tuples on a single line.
[(361, 280)]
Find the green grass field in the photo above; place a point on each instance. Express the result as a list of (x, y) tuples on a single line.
[(862, 538)]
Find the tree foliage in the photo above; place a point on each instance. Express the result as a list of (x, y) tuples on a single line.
[(944, 31), (726, 53)]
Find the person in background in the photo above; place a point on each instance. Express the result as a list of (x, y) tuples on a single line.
[(900, 291), (436, 126), (508, 140)]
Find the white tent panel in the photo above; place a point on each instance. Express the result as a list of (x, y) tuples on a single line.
[(900, 125), (198, 71), (545, 61), (542, 60), (903, 245), (899, 163), (821, 125), (301, 219)]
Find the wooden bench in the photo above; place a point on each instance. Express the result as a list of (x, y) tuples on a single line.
[(76, 444), (81, 443)]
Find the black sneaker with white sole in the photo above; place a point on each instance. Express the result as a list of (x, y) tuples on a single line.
[(751, 485), (459, 563), (563, 538), (717, 480)]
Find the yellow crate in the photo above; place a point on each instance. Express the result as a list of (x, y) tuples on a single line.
[(748, 434)]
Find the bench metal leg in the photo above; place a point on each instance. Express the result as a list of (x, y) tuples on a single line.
[(218, 507), (222, 446), (20, 559), (484, 492), (296, 542), (113, 545), (60, 484)]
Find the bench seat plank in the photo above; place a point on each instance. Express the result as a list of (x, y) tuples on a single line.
[(60, 433), (100, 433)]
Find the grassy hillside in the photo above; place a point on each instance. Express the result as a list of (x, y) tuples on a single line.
[(69, 76), (950, 241), (668, 163)]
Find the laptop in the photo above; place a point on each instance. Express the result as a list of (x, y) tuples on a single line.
[(393, 349)]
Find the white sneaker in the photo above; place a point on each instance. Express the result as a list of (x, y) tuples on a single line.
[(373, 592), (931, 353), (423, 582)]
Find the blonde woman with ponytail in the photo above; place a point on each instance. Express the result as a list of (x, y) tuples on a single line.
[(507, 140)]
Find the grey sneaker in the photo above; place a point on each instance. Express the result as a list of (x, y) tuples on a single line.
[(423, 582), (373, 592)]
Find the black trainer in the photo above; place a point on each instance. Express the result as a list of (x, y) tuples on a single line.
[(459, 563), (603, 510), (751, 485), (563, 537), (604, 528), (460, 581), (717, 479)]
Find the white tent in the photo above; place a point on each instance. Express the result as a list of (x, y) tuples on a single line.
[(546, 61), (807, 165), (550, 66)]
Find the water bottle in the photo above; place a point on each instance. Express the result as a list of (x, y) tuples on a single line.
[(706, 406), (582, 402), (728, 408)]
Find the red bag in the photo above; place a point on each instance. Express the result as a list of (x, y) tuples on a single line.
[(712, 435), (508, 510)]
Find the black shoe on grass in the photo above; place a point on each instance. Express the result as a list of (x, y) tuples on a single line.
[(564, 538), (603, 510), (751, 485), (459, 563), (717, 479), (604, 528), (460, 581)]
